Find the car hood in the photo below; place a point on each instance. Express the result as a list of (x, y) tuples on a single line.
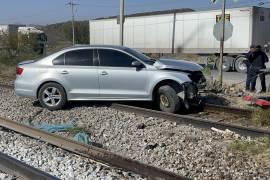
[(181, 65)]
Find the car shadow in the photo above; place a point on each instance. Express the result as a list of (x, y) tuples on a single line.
[(76, 104), (140, 104)]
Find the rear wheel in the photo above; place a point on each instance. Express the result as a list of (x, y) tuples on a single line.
[(167, 99), (52, 96), (240, 66)]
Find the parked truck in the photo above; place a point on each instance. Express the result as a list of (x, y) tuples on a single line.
[(188, 31), (23, 34)]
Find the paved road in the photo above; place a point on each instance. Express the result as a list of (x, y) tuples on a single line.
[(235, 77)]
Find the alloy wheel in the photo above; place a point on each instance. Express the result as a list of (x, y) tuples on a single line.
[(51, 96)]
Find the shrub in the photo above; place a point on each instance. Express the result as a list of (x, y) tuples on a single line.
[(261, 117), (259, 146)]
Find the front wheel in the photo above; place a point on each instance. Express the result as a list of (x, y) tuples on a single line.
[(52, 96), (167, 99)]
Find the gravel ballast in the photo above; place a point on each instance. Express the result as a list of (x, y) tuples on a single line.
[(55, 161), (188, 151), (4, 176)]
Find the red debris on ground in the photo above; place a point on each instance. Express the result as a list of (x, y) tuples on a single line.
[(262, 101)]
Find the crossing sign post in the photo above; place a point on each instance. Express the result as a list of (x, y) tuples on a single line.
[(222, 38), (222, 42)]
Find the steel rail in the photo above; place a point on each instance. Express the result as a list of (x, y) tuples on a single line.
[(19, 169), (239, 111), (91, 152), (7, 77), (6, 86), (197, 122)]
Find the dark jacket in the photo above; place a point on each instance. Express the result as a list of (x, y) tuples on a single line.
[(249, 59), (258, 60)]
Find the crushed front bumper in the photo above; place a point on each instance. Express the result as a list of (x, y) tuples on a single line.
[(190, 95)]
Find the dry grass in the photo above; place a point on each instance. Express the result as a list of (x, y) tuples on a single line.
[(207, 72), (259, 148), (261, 118), (75, 130), (10, 58)]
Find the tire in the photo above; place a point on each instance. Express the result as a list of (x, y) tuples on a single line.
[(167, 99), (240, 66), (227, 63), (52, 96)]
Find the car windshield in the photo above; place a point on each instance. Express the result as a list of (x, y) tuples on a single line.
[(140, 56)]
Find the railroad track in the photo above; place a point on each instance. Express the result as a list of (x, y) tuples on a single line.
[(196, 121), (7, 77), (90, 152), (21, 170), (5, 81), (6, 85)]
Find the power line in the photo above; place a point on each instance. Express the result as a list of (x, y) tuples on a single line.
[(71, 4)]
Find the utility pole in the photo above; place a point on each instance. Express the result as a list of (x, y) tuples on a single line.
[(71, 4), (173, 33), (122, 12), (222, 43)]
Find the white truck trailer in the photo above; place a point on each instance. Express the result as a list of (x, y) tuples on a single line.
[(187, 31)]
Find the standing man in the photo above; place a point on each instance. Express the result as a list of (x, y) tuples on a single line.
[(248, 61), (259, 58)]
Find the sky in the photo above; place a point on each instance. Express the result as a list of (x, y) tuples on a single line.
[(51, 11)]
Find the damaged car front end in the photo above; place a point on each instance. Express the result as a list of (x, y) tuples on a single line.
[(193, 70), (189, 91)]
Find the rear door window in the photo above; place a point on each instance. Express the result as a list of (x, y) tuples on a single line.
[(79, 58), (60, 60), (113, 58), (75, 58)]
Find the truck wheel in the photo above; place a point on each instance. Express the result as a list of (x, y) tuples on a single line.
[(227, 64), (167, 99), (240, 66), (227, 61), (52, 96)]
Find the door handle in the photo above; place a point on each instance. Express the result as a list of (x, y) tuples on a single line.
[(104, 73), (64, 72)]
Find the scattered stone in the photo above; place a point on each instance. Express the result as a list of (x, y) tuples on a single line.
[(184, 151), (141, 126), (190, 138), (162, 145), (55, 161), (151, 146)]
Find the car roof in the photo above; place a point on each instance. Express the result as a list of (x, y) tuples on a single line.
[(96, 46)]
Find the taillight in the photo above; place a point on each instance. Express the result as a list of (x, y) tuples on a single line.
[(19, 71)]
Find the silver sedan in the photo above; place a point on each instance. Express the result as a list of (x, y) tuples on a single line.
[(108, 73)]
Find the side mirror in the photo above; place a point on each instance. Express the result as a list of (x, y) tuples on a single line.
[(137, 64)]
